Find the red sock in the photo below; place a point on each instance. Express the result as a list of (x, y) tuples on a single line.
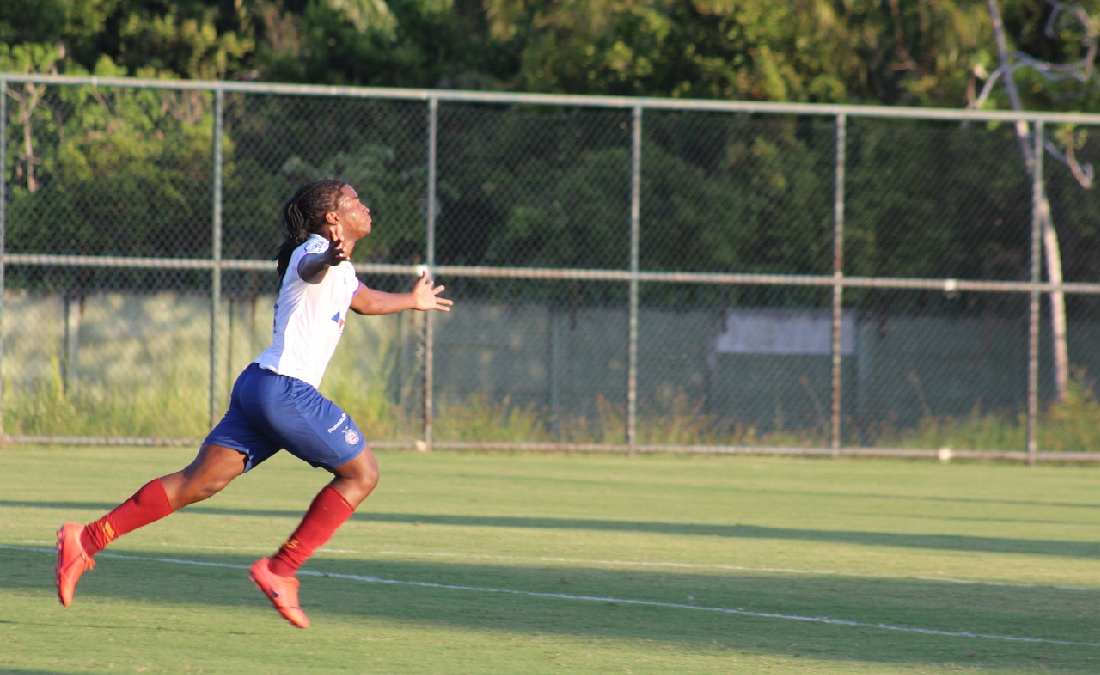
[(328, 511), (148, 504)]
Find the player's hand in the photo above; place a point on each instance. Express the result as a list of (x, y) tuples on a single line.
[(336, 253), (426, 295)]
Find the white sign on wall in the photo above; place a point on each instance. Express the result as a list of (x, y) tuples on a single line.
[(784, 331)]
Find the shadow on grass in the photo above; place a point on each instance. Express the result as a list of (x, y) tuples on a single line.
[(942, 542), (1071, 549), (867, 620)]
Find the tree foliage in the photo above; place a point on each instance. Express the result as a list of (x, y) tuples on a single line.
[(546, 187), (919, 52)]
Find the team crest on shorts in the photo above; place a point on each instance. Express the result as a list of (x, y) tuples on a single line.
[(351, 437)]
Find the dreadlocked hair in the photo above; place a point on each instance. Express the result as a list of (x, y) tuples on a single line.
[(304, 214)]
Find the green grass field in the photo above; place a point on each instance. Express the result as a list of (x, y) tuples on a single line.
[(493, 563)]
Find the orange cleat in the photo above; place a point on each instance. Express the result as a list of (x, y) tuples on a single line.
[(282, 591), (72, 561)]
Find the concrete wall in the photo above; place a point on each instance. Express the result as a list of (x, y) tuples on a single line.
[(562, 362)]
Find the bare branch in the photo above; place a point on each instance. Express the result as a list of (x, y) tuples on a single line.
[(1082, 172), (1063, 15)]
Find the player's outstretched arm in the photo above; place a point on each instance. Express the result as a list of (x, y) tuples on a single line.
[(425, 295)]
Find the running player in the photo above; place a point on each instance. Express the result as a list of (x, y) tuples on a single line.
[(275, 403)]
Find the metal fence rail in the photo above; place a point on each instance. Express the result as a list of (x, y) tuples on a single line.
[(632, 275)]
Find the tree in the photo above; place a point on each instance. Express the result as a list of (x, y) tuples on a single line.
[(32, 117), (114, 168), (1064, 18)]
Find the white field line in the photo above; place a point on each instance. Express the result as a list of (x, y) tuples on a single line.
[(737, 611), (646, 564)]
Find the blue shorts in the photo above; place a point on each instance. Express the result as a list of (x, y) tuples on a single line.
[(269, 412)]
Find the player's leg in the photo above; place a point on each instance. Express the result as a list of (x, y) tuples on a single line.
[(316, 430), (354, 480), (215, 467), (333, 505), (211, 470)]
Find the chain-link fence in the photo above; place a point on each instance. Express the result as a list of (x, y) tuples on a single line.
[(630, 275)]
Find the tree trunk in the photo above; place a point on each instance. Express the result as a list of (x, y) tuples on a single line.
[(1050, 236)]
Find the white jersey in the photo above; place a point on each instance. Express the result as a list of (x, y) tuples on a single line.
[(309, 318)]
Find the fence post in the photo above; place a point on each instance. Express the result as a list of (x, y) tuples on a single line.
[(635, 253), (838, 276), (1033, 313), (429, 261), (216, 250)]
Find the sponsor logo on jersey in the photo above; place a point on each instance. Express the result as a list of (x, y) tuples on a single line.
[(351, 437), (334, 427)]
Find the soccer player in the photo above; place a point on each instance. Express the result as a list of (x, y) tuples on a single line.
[(275, 403)]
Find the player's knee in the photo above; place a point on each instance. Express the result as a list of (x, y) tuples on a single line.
[(358, 477), (207, 475), (362, 473), (369, 476)]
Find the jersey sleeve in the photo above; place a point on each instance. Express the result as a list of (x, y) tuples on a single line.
[(315, 244)]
